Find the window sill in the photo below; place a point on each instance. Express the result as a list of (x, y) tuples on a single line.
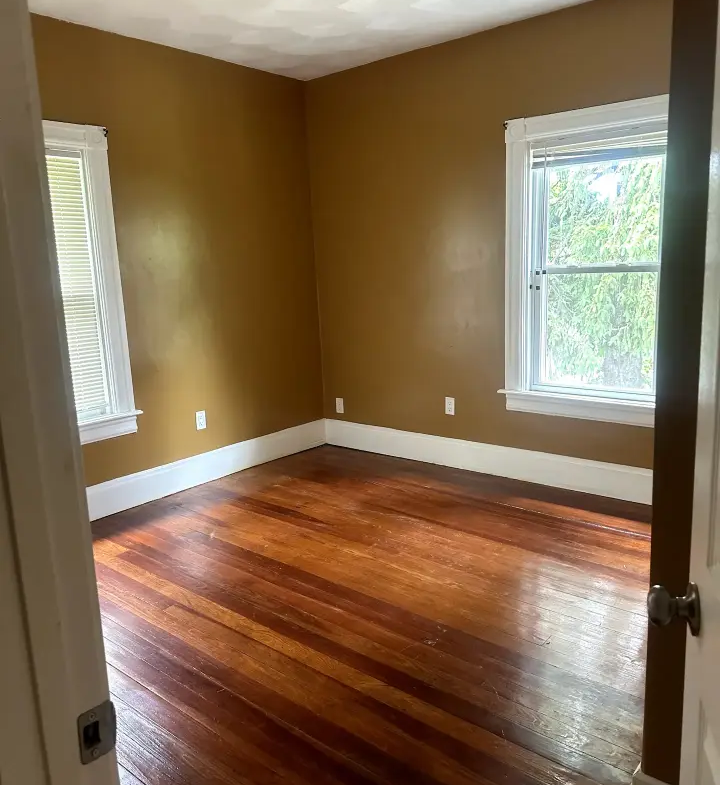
[(108, 427), (581, 407)]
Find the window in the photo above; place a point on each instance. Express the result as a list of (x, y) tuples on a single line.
[(79, 183), (584, 208)]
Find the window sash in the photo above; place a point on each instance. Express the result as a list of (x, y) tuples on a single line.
[(539, 270), (538, 342)]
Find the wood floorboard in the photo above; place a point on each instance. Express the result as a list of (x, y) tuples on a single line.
[(342, 617)]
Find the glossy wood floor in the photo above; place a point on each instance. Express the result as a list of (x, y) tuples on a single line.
[(341, 617)]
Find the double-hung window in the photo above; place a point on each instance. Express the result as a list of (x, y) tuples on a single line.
[(79, 184), (584, 223)]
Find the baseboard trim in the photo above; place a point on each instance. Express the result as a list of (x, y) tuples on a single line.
[(135, 489), (640, 778), (576, 474), (604, 479)]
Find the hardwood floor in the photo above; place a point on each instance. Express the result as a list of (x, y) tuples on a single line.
[(341, 617)]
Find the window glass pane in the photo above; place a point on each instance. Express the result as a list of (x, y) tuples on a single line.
[(78, 283), (604, 213), (600, 330)]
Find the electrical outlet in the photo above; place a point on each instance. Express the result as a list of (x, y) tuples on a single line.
[(200, 420), (340, 406), (449, 406)]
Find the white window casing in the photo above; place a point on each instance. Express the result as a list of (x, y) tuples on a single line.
[(592, 125), (79, 180)]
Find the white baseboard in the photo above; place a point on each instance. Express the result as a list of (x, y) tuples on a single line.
[(560, 471), (135, 489), (576, 474), (640, 778)]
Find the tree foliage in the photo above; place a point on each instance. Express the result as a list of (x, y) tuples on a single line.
[(601, 326)]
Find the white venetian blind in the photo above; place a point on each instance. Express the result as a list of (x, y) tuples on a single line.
[(68, 196)]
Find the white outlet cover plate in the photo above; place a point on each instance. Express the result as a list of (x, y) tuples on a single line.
[(449, 406), (200, 420), (340, 405)]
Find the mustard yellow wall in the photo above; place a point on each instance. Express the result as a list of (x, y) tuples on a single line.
[(407, 161), (209, 168), (210, 190)]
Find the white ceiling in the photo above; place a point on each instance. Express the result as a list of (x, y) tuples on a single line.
[(299, 38)]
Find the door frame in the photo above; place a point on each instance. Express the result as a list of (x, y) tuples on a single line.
[(40, 453)]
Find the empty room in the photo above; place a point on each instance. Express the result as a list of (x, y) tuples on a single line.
[(375, 384)]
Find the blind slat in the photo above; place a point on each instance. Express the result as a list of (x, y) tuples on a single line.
[(564, 152), (570, 158)]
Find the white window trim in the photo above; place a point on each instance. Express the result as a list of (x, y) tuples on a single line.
[(646, 114), (92, 141)]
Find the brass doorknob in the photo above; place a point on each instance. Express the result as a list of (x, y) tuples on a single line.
[(662, 607)]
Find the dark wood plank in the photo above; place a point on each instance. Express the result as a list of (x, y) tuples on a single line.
[(340, 617), (232, 715)]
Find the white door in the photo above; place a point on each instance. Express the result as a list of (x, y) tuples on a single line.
[(50, 631), (700, 764)]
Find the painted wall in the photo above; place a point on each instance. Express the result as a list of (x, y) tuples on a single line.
[(209, 168), (407, 162), (210, 189)]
